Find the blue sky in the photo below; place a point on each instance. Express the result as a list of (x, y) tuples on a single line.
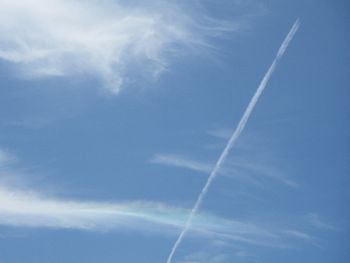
[(113, 114)]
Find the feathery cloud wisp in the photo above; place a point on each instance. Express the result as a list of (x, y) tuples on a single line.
[(181, 162), (105, 39), (6, 158), (315, 221), (32, 209), (22, 206), (241, 169)]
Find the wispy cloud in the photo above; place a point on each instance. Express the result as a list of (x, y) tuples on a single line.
[(220, 133), (316, 221), (303, 236), (106, 39), (6, 158), (24, 206), (181, 162), (262, 170), (243, 170), (28, 208), (32, 209), (298, 234)]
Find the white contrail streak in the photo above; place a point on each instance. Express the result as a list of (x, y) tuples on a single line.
[(237, 132)]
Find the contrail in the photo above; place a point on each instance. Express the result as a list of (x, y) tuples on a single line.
[(237, 132)]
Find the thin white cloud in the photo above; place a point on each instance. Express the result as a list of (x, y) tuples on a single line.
[(298, 234), (106, 39), (181, 162), (24, 208), (31, 209), (301, 236), (220, 133), (316, 221), (263, 170), (252, 172), (6, 158), (21, 206)]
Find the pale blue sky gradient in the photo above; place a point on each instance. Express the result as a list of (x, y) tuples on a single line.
[(75, 153)]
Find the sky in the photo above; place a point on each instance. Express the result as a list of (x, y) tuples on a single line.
[(114, 113)]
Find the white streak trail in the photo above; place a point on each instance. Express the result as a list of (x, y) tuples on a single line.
[(242, 123)]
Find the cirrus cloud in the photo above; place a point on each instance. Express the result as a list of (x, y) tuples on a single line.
[(103, 39)]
